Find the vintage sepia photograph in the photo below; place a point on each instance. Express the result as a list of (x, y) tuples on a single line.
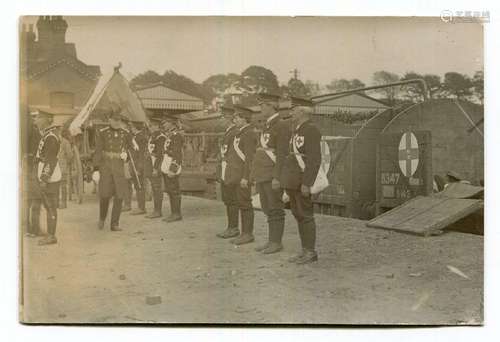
[(264, 170)]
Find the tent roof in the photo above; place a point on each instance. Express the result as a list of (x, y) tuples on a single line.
[(112, 91)]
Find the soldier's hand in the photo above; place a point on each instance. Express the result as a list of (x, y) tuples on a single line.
[(306, 191), (244, 183), (275, 184)]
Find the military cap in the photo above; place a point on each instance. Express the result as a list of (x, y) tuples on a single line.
[(116, 114), (44, 114), (34, 112), (268, 97), (242, 111), (166, 119), (454, 174), (299, 101)]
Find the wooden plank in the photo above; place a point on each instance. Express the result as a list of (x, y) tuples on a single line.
[(424, 215)]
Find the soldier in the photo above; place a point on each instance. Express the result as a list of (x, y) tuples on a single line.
[(65, 159), (137, 161), (228, 192), (172, 167), (127, 200), (304, 149), (237, 176), (264, 171), (34, 196), (152, 165), (48, 172), (112, 143)]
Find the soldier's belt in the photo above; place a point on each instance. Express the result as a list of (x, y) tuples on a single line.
[(113, 155)]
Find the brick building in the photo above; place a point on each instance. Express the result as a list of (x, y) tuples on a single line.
[(53, 79)]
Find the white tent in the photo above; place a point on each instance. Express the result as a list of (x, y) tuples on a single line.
[(112, 91)]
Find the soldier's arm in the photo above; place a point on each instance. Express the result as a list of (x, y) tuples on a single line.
[(312, 146), (98, 153), (282, 141), (51, 150), (249, 147)]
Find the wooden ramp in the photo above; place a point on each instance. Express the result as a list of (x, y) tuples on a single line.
[(426, 215)]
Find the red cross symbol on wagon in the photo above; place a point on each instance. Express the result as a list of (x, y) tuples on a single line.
[(408, 154)]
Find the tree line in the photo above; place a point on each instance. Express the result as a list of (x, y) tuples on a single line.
[(255, 79)]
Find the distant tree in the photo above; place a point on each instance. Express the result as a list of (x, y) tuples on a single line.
[(478, 84), (415, 91), (339, 85), (457, 85), (385, 77), (259, 79), (220, 82), (313, 88), (297, 88), (146, 78)]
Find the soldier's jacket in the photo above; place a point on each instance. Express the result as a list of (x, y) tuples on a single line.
[(225, 146), (110, 143), (307, 139), (173, 148), (139, 149), (154, 154), (265, 158), (46, 157), (240, 156)]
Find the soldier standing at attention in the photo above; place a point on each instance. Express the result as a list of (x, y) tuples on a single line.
[(137, 161), (48, 172), (263, 172), (152, 165), (239, 161), (34, 196), (305, 144), (110, 155), (228, 192), (172, 167)]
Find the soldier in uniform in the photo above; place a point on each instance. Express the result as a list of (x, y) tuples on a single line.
[(237, 176), (137, 161), (172, 167), (305, 144), (152, 165), (48, 172), (264, 171), (112, 144), (34, 196), (228, 192)]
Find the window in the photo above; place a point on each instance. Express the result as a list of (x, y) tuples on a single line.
[(61, 99)]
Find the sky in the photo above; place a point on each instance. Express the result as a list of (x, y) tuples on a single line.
[(321, 48)]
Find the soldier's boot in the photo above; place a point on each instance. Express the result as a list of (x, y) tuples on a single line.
[(48, 240), (262, 247), (175, 209), (157, 204), (276, 228), (296, 257), (246, 236), (232, 223), (115, 214), (308, 257)]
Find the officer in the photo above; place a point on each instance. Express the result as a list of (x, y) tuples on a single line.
[(239, 161), (228, 192), (263, 172), (172, 166), (154, 157), (48, 172), (137, 161), (112, 144), (34, 196), (304, 148)]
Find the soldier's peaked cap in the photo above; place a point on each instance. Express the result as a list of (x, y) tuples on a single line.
[(299, 101), (268, 97), (225, 110)]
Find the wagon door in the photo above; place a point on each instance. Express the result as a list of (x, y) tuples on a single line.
[(404, 168)]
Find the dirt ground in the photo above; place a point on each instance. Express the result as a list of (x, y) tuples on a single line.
[(182, 273)]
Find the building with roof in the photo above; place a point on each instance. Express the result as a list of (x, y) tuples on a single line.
[(53, 79), (159, 100), (354, 103)]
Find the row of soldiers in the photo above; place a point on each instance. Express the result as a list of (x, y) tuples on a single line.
[(283, 160)]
